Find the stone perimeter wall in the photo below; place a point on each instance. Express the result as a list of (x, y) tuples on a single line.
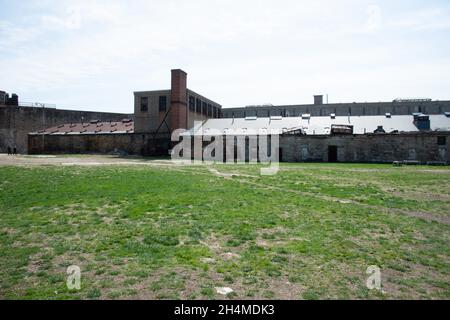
[(17, 122), (119, 143), (422, 147)]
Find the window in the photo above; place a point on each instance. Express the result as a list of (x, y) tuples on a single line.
[(441, 141), (191, 103), (144, 104), (198, 106), (210, 110), (204, 108), (214, 112), (162, 103)]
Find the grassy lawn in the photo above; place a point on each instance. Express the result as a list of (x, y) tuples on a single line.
[(166, 231)]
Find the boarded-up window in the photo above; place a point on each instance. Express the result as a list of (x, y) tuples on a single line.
[(144, 104)]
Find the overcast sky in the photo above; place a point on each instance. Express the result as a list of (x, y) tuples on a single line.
[(92, 55)]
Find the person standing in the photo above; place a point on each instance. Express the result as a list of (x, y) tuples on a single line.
[(15, 151), (9, 150)]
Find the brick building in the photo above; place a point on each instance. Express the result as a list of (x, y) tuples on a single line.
[(18, 119), (165, 110), (414, 130)]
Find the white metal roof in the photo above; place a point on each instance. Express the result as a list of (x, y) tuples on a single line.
[(318, 125)]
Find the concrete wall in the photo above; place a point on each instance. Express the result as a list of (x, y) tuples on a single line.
[(421, 147), (341, 109), (126, 143), (17, 122)]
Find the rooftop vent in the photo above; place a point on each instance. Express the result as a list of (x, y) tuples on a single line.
[(306, 116), (422, 122), (411, 100), (341, 129), (387, 114), (379, 129), (416, 115)]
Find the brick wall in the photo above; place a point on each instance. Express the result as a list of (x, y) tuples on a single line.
[(127, 143), (17, 122), (421, 147), (178, 98)]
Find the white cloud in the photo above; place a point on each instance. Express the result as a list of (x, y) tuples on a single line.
[(429, 19), (71, 19), (95, 53), (374, 19)]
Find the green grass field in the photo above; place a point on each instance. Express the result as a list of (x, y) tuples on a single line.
[(177, 232)]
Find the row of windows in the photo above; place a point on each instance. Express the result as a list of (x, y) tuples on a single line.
[(201, 107), (322, 112), (195, 105), (162, 104)]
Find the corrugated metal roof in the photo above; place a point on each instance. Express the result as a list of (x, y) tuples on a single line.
[(91, 127), (319, 125)]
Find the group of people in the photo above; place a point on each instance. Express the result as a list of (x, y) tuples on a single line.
[(12, 152)]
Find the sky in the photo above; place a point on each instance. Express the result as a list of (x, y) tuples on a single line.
[(92, 55)]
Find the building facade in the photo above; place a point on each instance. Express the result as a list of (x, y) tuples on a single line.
[(163, 111), (18, 119), (318, 109), (401, 130)]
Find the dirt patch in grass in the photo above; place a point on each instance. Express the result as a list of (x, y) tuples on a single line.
[(403, 284), (426, 216)]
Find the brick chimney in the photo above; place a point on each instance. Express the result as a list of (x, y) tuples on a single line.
[(178, 100)]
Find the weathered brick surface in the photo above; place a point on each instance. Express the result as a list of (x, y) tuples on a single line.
[(17, 122), (178, 98), (422, 147), (127, 143)]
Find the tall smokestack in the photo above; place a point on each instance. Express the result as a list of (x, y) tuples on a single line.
[(178, 100)]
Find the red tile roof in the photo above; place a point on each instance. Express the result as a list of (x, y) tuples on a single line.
[(92, 127)]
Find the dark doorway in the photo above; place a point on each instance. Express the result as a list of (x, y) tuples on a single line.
[(280, 155), (332, 153)]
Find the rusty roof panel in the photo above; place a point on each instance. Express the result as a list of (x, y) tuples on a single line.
[(92, 127)]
